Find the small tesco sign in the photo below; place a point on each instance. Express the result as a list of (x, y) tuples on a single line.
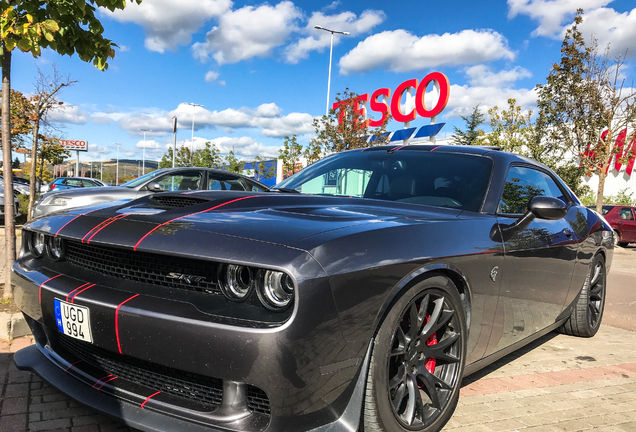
[(382, 103), (78, 145)]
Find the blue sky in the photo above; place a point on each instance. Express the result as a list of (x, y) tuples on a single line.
[(260, 69)]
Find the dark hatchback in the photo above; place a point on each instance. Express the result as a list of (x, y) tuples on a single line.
[(356, 294)]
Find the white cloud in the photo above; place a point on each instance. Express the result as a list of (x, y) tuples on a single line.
[(244, 147), (149, 145), (321, 39), (67, 114), (248, 32), (170, 23), (464, 98), (211, 76), (267, 117), (95, 150), (611, 27), (551, 14), (401, 51), (481, 75)]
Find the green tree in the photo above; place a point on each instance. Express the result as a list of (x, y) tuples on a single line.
[(208, 157), (262, 169), (66, 27), (585, 95), (16, 163), (234, 164), (45, 98), (183, 158), (515, 131), (471, 135), (345, 128), (290, 154)]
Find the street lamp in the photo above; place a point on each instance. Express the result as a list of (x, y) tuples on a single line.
[(330, 55), (117, 172), (192, 145), (143, 157)]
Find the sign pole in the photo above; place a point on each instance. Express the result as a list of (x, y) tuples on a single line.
[(77, 164), (174, 131)]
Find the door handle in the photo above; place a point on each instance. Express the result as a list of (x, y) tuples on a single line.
[(567, 232)]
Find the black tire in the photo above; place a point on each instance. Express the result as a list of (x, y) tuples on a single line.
[(617, 238), (587, 313), (415, 372)]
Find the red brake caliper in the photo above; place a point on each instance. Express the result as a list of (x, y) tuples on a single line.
[(431, 362)]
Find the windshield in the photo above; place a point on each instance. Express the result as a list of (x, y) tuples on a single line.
[(144, 178), (413, 176)]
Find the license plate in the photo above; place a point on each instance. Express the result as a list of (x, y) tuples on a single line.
[(73, 320)]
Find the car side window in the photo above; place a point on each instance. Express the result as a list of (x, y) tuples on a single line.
[(523, 184), (181, 181), (230, 184), (73, 183), (626, 214), (88, 183)]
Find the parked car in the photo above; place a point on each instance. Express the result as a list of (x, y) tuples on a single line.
[(16, 204), (62, 183), (356, 294), (20, 185), (623, 221), (166, 179)]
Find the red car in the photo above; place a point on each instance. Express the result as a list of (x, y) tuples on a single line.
[(623, 222)]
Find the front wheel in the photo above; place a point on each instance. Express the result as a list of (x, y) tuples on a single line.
[(587, 314), (418, 360)]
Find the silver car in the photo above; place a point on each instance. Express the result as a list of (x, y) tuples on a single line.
[(162, 180), (16, 204)]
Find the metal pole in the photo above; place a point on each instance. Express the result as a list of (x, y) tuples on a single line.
[(143, 157), (91, 168), (193, 105), (329, 80), (77, 164), (117, 171), (101, 169)]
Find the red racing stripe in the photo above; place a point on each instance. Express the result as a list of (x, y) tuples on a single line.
[(148, 398), (101, 379), (71, 365), (42, 284), (97, 226), (83, 214), (117, 320), (120, 217), (435, 148), (75, 295), (109, 379), (76, 289), (190, 214)]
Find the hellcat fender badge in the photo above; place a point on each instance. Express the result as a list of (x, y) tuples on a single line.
[(493, 273)]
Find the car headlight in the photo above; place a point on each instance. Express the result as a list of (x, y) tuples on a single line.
[(237, 282), (56, 201), (36, 244), (276, 290), (55, 248)]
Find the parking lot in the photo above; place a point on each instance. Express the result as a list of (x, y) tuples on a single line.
[(558, 383)]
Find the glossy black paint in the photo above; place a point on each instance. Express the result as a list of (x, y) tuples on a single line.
[(349, 258)]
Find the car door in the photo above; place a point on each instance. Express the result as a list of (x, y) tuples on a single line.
[(627, 224), (538, 259)]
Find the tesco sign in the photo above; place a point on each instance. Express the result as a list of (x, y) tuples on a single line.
[(382, 103), (78, 145)]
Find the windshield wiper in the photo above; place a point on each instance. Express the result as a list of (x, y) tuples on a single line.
[(286, 190)]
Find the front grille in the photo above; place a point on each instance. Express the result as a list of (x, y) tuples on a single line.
[(146, 267), (177, 201), (205, 390)]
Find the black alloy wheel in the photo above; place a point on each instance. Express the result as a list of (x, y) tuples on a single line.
[(587, 313), (418, 360)]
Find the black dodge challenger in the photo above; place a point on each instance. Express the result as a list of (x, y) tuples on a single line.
[(353, 296)]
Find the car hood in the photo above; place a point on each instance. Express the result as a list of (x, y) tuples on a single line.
[(278, 218), (74, 193)]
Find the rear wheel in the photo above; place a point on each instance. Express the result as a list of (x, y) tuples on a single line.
[(587, 314), (418, 360), (617, 240)]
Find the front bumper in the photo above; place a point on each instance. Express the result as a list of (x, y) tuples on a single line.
[(303, 368)]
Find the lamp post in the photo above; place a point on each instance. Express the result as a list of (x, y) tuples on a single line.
[(143, 157), (117, 172), (193, 105), (330, 55)]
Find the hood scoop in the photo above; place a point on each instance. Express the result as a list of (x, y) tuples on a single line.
[(172, 202)]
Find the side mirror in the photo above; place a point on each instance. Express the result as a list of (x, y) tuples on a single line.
[(154, 187), (549, 208)]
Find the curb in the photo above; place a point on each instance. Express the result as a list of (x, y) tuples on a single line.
[(13, 326)]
